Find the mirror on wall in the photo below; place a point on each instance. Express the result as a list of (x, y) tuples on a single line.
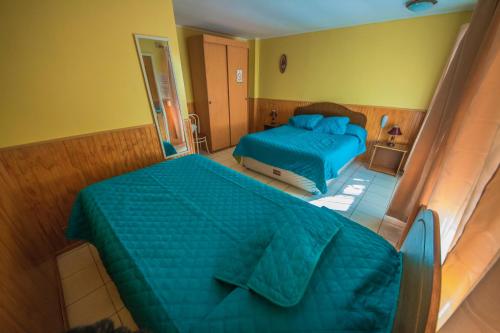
[(156, 65)]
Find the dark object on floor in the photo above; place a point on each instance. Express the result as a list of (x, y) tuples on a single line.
[(103, 326)]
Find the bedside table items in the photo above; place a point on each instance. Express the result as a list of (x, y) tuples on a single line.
[(383, 123), (268, 126), (388, 159), (393, 133), (274, 115)]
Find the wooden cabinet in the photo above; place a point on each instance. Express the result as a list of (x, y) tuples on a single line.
[(219, 75)]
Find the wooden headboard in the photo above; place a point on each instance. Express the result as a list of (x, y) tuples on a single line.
[(332, 109), (420, 289)]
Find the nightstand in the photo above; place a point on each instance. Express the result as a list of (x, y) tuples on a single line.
[(388, 159), (271, 125)]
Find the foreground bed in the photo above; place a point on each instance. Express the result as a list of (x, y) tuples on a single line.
[(195, 247)]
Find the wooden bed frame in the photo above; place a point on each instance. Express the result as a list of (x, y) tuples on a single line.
[(420, 289), (329, 109)]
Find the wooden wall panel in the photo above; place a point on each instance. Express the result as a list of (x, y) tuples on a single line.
[(408, 120), (252, 114), (38, 184)]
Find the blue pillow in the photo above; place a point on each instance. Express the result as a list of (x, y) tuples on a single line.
[(306, 121), (333, 125), (356, 131)]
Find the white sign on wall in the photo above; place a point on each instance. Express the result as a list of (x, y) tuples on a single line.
[(239, 76)]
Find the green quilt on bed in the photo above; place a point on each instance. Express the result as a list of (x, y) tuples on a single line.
[(196, 247)]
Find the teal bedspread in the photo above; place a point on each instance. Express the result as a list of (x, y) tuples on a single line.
[(174, 236), (314, 155)]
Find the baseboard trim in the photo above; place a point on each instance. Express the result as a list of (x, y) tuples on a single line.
[(394, 220)]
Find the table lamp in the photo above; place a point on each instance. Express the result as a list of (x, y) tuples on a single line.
[(393, 132), (383, 122)]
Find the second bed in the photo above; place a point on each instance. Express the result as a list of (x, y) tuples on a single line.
[(304, 158)]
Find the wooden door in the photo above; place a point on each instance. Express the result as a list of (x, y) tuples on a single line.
[(218, 104), (237, 64)]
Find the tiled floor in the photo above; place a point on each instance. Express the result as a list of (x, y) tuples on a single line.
[(89, 293), (359, 193)]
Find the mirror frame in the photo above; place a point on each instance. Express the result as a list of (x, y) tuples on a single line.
[(137, 37)]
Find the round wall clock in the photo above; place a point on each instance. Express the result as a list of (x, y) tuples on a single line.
[(283, 63)]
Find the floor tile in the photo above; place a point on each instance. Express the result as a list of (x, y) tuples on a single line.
[(102, 271), (100, 267), (354, 188), (257, 176), (297, 192), (385, 179), (94, 252), (377, 198), (335, 186), (115, 296), (375, 188), (388, 186), (367, 220), (340, 203), (278, 184), (383, 176), (73, 261), (116, 320), (81, 284), (372, 208), (226, 160), (74, 249), (237, 167), (91, 308), (127, 320), (362, 177), (391, 231)]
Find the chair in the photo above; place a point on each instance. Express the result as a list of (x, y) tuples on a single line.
[(198, 137)]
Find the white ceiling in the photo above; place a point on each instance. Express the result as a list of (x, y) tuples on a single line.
[(270, 18)]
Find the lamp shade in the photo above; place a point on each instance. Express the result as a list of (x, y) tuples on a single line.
[(395, 131)]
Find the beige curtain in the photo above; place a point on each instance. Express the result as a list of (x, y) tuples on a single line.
[(479, 311), (470, 292), (457, 150)]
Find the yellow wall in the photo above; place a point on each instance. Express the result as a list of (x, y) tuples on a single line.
[(183, 33), (394, 63), (71, 67)]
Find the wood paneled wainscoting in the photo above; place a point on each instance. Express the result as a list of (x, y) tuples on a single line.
[(409, 120), (38, 184)]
